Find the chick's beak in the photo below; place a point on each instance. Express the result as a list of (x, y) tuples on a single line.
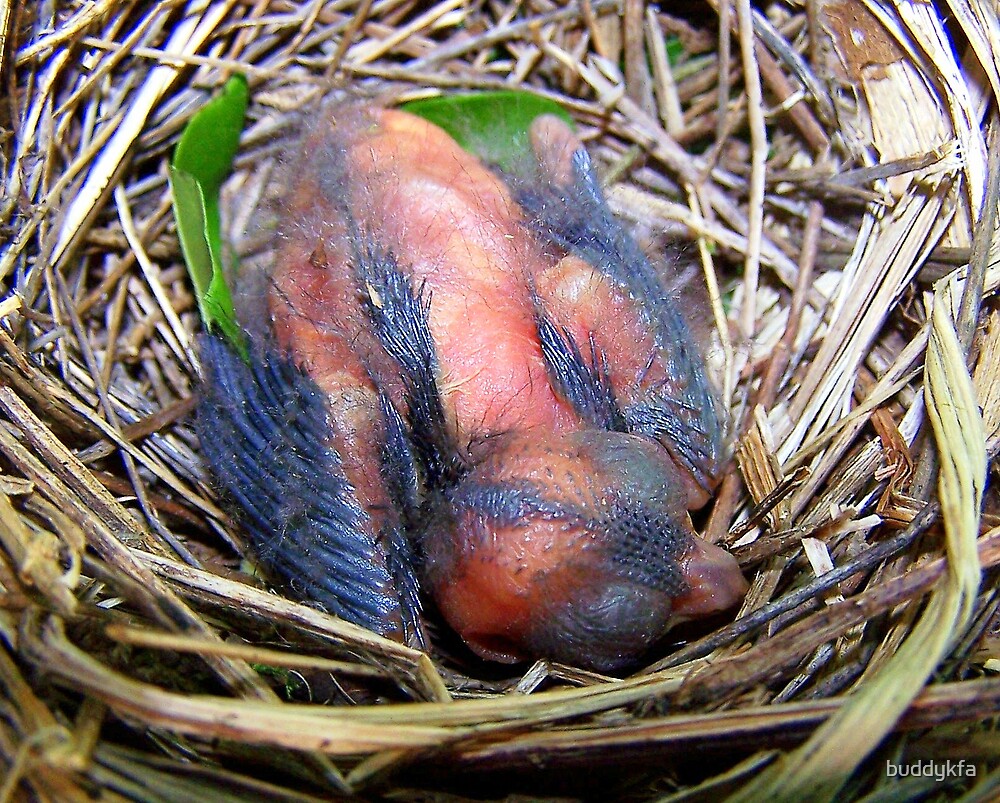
[(714, 581)]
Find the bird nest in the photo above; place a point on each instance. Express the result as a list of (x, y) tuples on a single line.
[(833, 176)]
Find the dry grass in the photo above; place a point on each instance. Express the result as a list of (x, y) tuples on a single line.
[(830, 183)]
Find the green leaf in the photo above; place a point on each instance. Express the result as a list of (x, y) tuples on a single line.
[(492, 125), (202, 160), (675, 49)]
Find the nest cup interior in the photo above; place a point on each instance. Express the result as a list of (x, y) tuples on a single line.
[(826, 189)]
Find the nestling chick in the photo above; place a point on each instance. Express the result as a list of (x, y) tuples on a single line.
[(475, 385)]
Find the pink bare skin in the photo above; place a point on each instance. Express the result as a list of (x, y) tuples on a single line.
[(536, 569)]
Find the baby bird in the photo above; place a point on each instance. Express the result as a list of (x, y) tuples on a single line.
[(472, 386)]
